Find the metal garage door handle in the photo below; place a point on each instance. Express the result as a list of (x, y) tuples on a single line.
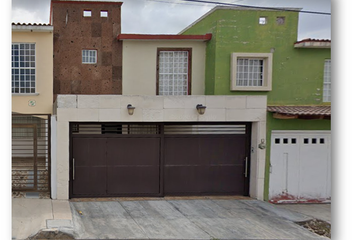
[(246, 167), (73, 168)]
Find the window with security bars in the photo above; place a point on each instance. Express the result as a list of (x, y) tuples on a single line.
[(173, 72), (249, 72), (89, 56), (327, 81), (23, 60)]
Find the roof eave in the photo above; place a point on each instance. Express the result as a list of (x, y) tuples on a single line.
[(163, 37), (31, 28)]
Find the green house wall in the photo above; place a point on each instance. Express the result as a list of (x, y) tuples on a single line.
[(297, 77)]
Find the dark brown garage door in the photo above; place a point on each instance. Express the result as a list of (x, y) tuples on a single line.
[(115, 160), (145, 160), (207, 159)]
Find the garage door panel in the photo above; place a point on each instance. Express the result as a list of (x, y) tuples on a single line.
[(313, 168), (125, 180), (89, 170), (180, 151), (133, 151), (227, 179), (185, 179), (89, 152), (89, 181), (203, 179), (223, 150), (207, 164)]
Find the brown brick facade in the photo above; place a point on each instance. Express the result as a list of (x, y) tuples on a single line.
[(72, 33)]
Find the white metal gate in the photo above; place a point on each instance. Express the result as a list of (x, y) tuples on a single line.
[(300, 168)]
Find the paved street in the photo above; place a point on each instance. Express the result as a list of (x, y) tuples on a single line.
[(187, 219)]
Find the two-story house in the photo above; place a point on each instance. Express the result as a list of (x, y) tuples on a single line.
[(132, 117), (256, 52), (32, 104)]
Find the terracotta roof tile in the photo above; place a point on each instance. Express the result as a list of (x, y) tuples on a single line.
[(30, 24), (301, 110), (313, 40)]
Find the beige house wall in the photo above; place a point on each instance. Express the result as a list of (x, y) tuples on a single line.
[(113, 108), (44, 74), (140, 59)]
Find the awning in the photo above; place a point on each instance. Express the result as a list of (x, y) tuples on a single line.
[(302, 112)]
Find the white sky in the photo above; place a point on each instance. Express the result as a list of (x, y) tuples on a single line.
[(172, 16)]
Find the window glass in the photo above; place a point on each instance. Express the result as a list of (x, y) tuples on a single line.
[(262, 20), (23, 68), (104, 14), (87, 13), (173, 72), (327, 81), (89, 56), (249, 72)]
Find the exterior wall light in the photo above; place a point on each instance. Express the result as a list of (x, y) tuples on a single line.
[(262, 144), (201, 109), (130, 109)]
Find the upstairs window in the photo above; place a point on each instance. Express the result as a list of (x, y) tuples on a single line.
[(173, 72), (23, 68), (262, 20), (251, 71), (87, 13), (89, 56), (104, 14), (327, 81), (280, 20)]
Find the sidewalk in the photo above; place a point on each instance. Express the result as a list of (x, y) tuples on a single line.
[(32, 215), (318, 211)]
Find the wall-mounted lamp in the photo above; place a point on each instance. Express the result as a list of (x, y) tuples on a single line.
[(201, 109), (262, 144), (130, 109)]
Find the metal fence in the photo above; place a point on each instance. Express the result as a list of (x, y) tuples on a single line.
[(31, 152)]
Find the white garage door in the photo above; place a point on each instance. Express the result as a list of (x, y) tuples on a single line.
[(300, 166)]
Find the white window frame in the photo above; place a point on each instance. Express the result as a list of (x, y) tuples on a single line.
[(327, 81), (25, 68), (178, 81), (86, 58), (267, 71)]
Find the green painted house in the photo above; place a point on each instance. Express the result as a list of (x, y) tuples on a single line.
[(256, 52)]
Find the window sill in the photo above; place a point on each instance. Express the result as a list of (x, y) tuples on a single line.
[(251, 89), (25, 94)]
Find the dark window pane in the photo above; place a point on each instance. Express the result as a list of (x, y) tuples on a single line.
[(285, 141), (322, 141), (293, 140), (277, 140), (306, 140), (314, 140)]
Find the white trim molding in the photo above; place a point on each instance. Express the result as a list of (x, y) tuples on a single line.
[(266, 76)]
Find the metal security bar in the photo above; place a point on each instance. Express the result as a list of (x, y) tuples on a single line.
[(205, 129), (153, 129), (31, 153), (115, 128)]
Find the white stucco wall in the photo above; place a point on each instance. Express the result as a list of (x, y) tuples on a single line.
[(113, 108), (139, 65)]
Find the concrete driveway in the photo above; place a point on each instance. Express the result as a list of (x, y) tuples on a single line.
[(187, 219)]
